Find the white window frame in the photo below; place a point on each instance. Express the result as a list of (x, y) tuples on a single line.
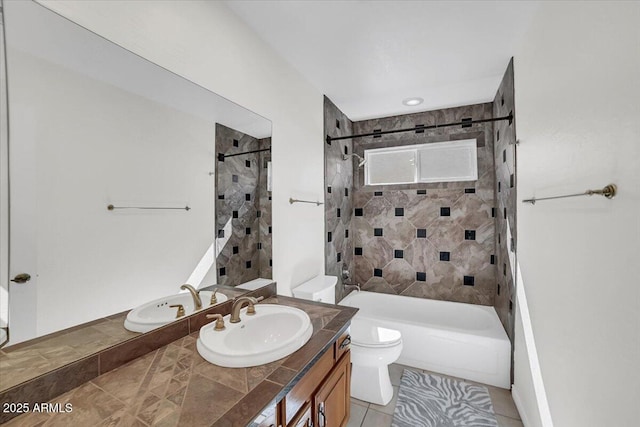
[(425, 149)]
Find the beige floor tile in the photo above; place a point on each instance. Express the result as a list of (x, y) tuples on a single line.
[(377, 419), (395, 372), (359, 402), (357, 415), (508, 422), (389, 407), (503, 402)]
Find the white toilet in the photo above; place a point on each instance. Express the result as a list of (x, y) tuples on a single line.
[(373, 347)]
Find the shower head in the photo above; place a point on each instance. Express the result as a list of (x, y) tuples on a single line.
[(361, 160)]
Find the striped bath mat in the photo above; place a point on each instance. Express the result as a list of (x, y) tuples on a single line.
[(426, 400)]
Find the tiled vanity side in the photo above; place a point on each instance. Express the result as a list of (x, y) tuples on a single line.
[(48, 386), (174, 386)]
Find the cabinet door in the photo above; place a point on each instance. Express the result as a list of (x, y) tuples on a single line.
[(331, 401), (304, 419)]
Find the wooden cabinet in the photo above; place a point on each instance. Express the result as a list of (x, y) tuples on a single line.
[(322, 397), (332, 401)]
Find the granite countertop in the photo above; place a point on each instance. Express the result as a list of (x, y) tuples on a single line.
[(175, 386)]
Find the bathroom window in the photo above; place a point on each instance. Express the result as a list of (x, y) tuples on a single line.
[(423, 163)]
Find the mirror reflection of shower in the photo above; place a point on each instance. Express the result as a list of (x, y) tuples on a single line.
[(361, 160)]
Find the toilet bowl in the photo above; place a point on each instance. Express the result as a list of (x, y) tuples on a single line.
[(373, 349)]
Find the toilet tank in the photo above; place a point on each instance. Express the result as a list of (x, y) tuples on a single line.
[(320, 289)]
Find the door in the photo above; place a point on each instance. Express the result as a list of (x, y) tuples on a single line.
[(332, 400)]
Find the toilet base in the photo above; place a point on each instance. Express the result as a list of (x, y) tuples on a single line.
[(371, 384)]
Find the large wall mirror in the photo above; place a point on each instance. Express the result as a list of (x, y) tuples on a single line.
[(125, 182)]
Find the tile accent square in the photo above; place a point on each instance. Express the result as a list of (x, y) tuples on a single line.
[(469, 190), (223, 271), (235, 214), (339, 257), (468, 281), (493, 212), (220, 234), (399, 211), (357, 251), (466, 122), (357, 212), (329, 236), (247, 197), (235, 250), (258, 214), (421, 277), (377, 272), (248, 264), (504, 155), (512, 180), (346, 192), (346, 234), (329, 189), (421, 233), (247, 163), (469, 234), (269, 229), (421, 192), (247, 230), (493, 259), (259, 245), (504, 210), (445, 211), (338, 212), (398, 253), (377, 232), (377, 193), (220, 196), (234, 178), (498, 289), (445, 256), (236, 143)]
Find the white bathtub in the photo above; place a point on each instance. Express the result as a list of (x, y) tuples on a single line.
[(457, 339)]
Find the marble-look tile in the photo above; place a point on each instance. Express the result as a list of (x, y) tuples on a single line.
[(356, 415), (199, 408), (376, 419)]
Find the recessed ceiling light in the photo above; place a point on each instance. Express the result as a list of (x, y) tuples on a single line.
[(412, 102)]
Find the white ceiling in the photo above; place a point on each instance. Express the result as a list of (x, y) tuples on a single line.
[(367, 56)]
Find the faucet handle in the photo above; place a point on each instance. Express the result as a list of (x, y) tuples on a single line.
[(214, 299), (251, 310), (180, 308), (219, 321)]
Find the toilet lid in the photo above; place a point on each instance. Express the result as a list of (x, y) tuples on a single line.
[(365, 333)]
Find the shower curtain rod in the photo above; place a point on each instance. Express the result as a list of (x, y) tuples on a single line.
[(463, 123), (222, 156)]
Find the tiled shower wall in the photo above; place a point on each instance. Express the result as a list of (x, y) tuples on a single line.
[(505, 159), (427, 240), (243, 217), (338, 195)]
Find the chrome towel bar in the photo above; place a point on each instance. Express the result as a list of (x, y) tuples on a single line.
[(292, 201), (111, 207)]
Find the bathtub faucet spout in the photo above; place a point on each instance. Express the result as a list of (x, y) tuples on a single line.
[(348, 286)]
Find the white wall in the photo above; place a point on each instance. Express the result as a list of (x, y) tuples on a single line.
[(577, 86), (118, 148), (206, 43)]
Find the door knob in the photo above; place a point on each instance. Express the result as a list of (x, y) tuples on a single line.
[(21, 278)]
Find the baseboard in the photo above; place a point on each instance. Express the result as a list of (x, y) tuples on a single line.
[(519, 405)]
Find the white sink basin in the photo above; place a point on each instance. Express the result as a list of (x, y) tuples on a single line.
[(157, 313), (275, 331)]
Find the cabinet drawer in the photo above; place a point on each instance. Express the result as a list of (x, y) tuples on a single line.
[(341, 346)]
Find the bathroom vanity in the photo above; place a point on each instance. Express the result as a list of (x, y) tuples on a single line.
[(174, 385)]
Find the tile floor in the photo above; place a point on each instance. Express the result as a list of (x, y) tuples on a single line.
[(365, 414)]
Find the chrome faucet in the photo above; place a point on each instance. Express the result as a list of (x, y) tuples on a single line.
[(237, 306), (195, 294)]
